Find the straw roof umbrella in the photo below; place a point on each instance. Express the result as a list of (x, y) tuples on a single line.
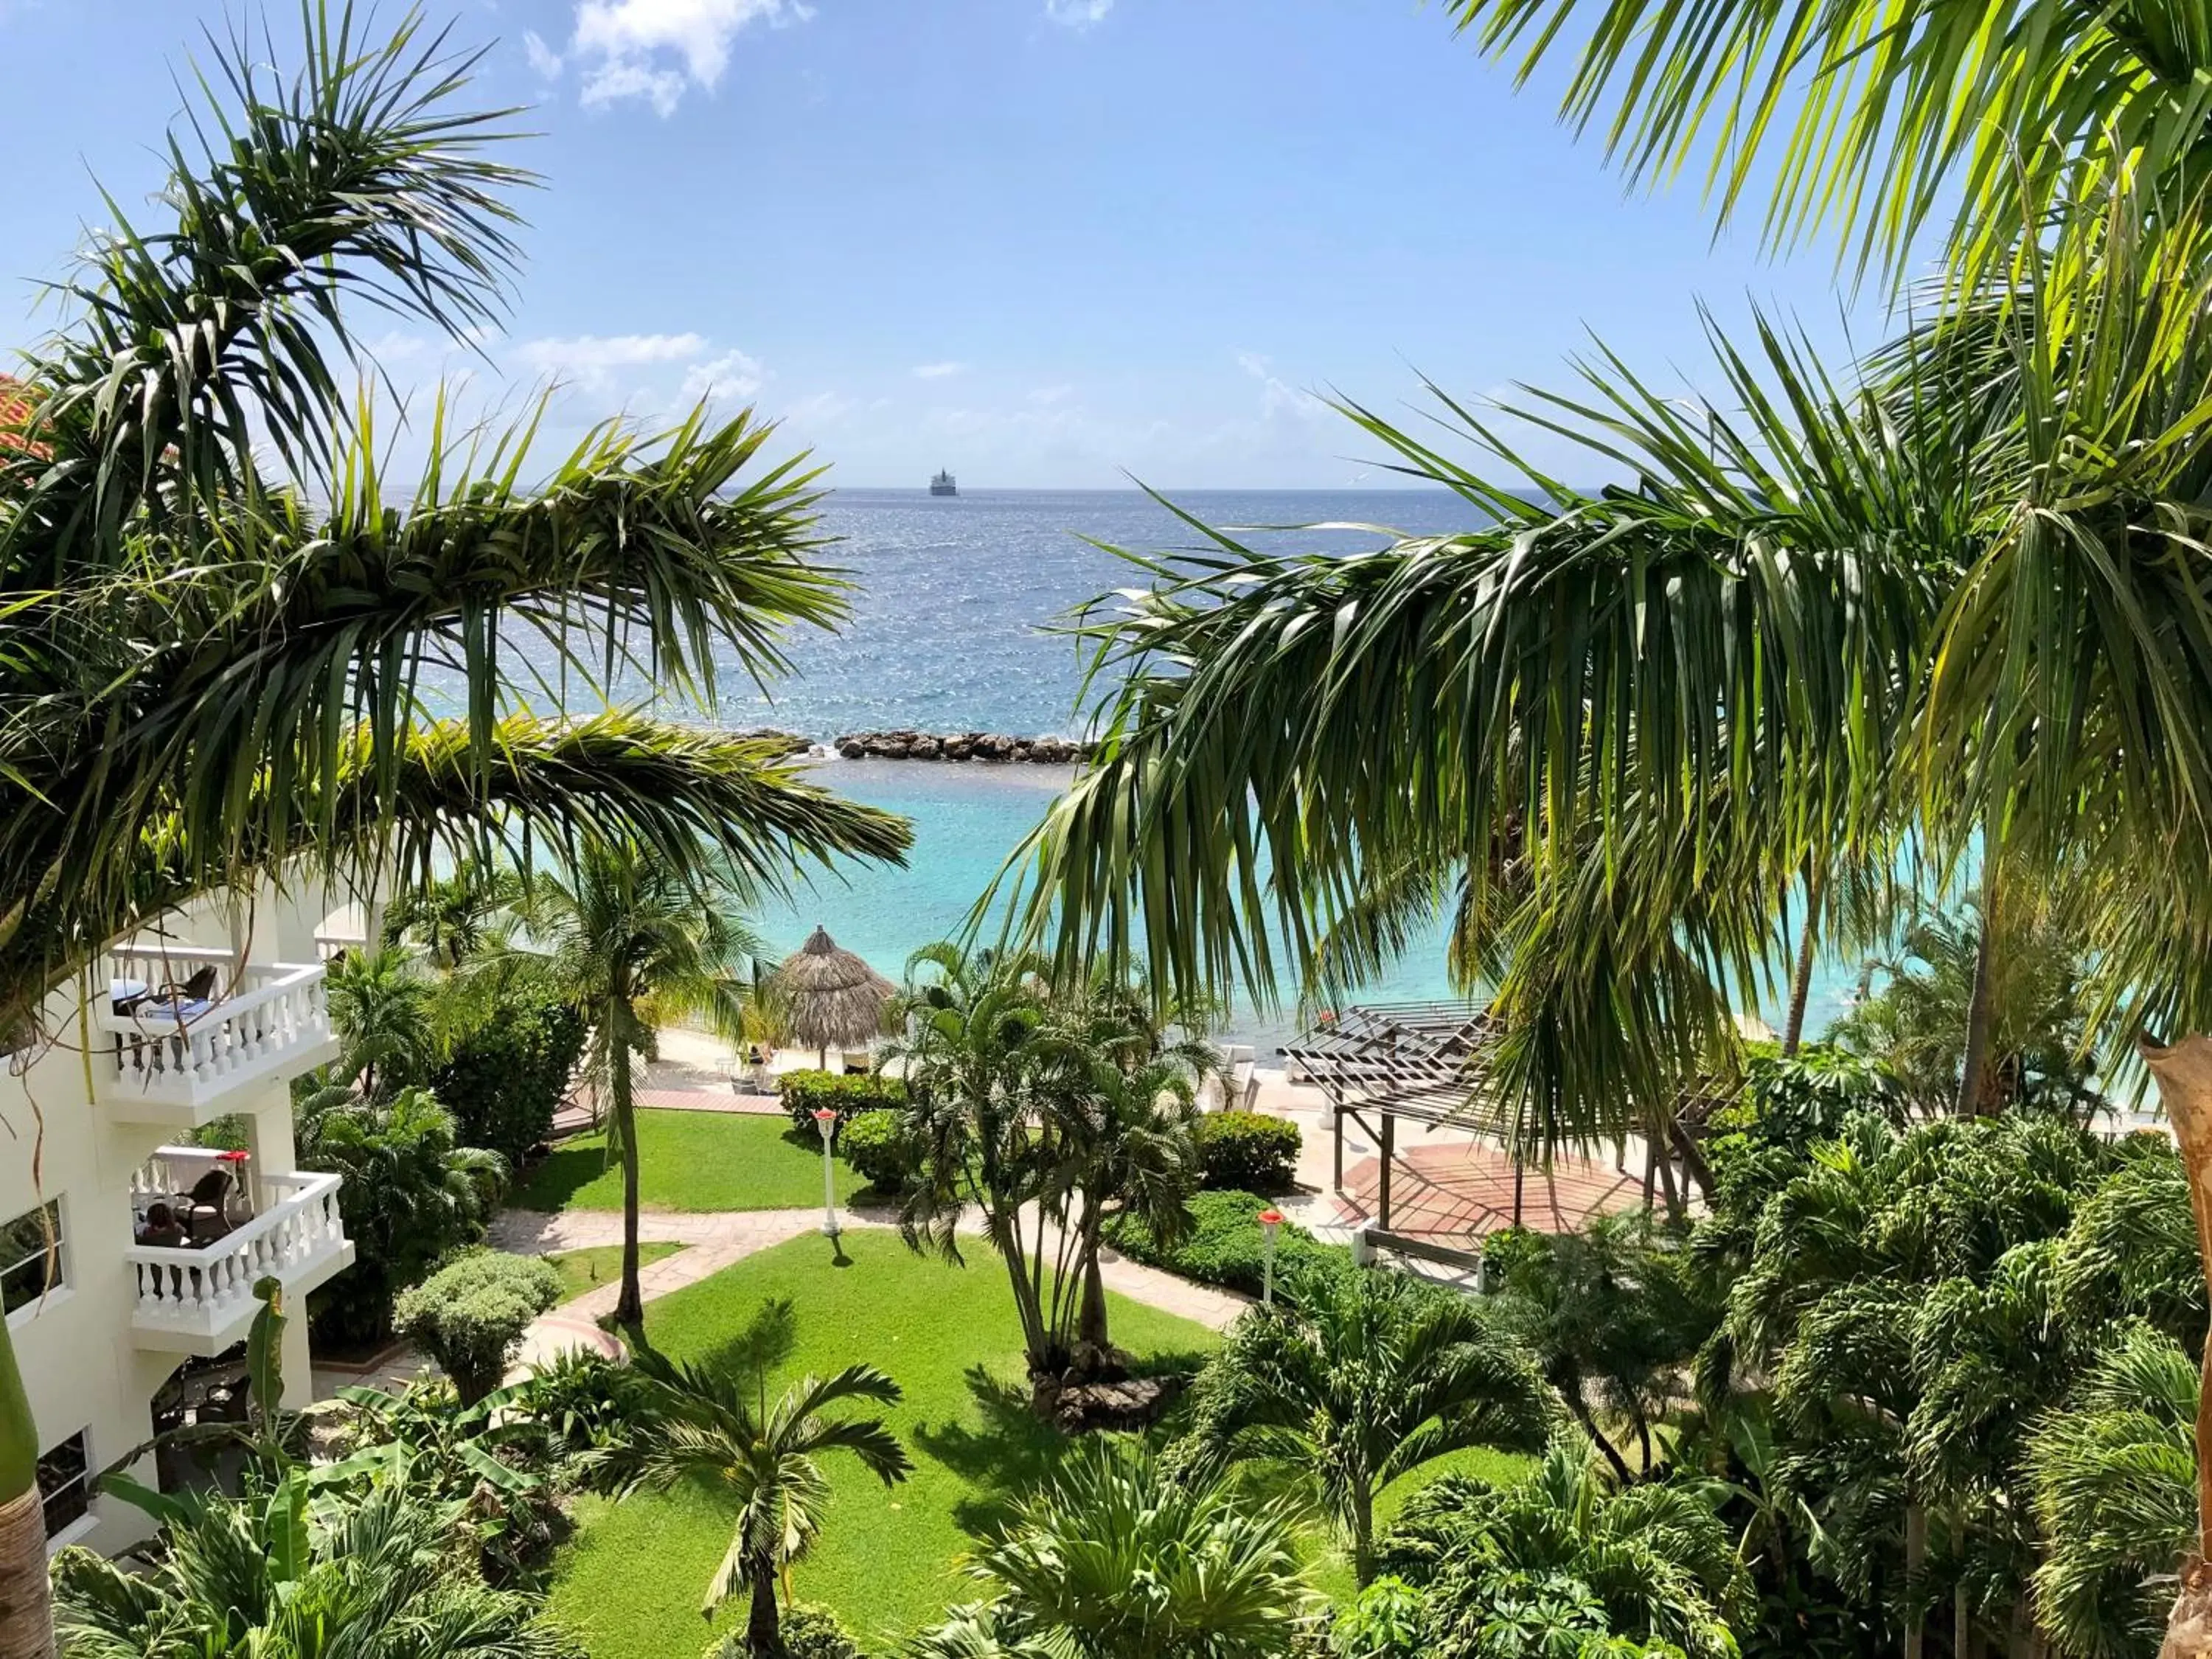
[(827, 996)]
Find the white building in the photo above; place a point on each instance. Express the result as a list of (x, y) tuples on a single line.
[(108, 1101)]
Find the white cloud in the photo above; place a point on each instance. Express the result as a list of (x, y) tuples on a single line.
[(733, 375), (544, 61), (654, 49), (1045, 396), (1279, 397), (822, 409), (1078, 14), (593, 360), (938, 371)]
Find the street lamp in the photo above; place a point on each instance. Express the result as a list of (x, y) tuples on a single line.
[(825, 1119), (1269, 1220)]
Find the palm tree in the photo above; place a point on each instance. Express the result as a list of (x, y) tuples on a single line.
[(452, 917), (1354, 1379), (983, 1140), (214, 675), (713, 1424), (380, 1002), (269, 1574), (628, 942), (1117, 1558), (1654, 1557)]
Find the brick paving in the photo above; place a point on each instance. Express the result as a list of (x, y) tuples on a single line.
[(1454, 1194)]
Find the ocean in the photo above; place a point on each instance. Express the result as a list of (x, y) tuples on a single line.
[(953, 631)]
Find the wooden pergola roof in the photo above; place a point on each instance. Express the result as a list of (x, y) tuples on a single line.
[(1424, 1061)]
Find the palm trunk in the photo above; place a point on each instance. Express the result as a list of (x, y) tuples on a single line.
[(1962, 1623), (1972, 1081), (763, 1632), (1363, 1536), (2183, 1074), (1915, 1564), (1092, 1338), (629, 1304), (27, 1623), (1800, 982), (1610, 1452)]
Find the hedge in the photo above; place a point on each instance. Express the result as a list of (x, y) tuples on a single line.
[(469, 1314), (805, 1093), (872, 1144), (508, 1074), (1248, 1152), (1225, 1244)]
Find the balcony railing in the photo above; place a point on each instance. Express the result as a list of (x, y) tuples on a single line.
[(173, 1061), (200, 1299)]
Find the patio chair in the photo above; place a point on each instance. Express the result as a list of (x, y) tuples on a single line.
[(197, 988), (205, 1217)]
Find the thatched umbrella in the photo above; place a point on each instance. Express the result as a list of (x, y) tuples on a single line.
[(828, 996)]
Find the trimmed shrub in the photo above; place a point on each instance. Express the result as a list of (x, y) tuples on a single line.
[(505, 1076), (1248, 1152), (1224, 1245), (469, 1314), (874, 1144), (808, 1633), (805, 1093)]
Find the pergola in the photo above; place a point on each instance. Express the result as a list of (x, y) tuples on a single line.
[(1425, 1061)]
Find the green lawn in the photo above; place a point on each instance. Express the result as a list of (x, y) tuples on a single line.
[(691, 1161), (585, 1270), (629, 1584)]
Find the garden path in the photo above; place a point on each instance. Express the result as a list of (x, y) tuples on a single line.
[(713, 1241)]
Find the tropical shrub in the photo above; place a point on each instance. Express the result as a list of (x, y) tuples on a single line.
[(808, 1633), (805, 1093), (1385, 1622), (470, 1313), (1248, 1152), (1224, 1245), (507, 1070), (1118, 1556), (413, 1194), (874, 1144)]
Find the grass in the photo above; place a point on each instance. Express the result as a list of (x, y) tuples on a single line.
[(585, 1270), (691, 1161), (629, 1584)]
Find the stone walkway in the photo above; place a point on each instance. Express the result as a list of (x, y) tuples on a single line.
[(714, 1240)]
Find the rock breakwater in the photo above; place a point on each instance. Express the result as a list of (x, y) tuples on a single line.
[(959, 747)]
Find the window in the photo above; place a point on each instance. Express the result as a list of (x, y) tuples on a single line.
[(66, 1483), (31, 1246)]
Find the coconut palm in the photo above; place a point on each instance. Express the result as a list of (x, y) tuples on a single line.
[(713, 1424), (268, 1574), (213, 673), (1115, 1559), (629, 942), (1351, 1379), (380, 1001)]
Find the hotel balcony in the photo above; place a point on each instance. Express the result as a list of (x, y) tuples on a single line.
[(196, 1295), (183, 1030)]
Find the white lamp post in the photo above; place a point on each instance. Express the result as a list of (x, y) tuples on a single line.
[(825, 1119), (1269, 1220)]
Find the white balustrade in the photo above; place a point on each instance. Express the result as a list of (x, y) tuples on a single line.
[(171, 1170), (207, 1290), (254, 1017)]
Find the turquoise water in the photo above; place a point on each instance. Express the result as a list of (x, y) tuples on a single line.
[(951, 629)]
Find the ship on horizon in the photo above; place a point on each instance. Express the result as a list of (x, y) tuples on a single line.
[(942, 484)]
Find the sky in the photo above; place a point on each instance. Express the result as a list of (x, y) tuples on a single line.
[(1043, 243)]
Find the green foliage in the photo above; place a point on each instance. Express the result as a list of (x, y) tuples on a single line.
[(874, 1144), (806, 1092), (271, 1574), (1353, 1380), (469, 1314), (1225, 1246), (381, 1003), (412, 1195), (1115, 1559), (1539, 1566), (1385, 1622), (1248, 1152), (506, 1072), (808, 1633)]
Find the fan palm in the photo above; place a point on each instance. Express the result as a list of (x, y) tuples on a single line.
[(714, 1423), (211, 675), (628, 942), (380, 1002), (1351, 1379), (1115, 1559)]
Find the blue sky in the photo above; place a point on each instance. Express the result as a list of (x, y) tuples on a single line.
[(1042, 242)]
